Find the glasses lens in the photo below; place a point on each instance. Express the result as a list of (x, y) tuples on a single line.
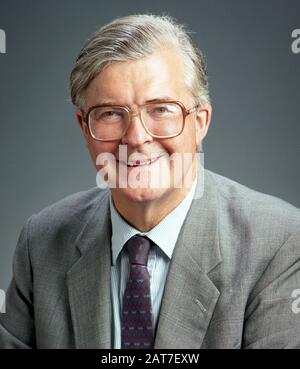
[(163, 119), (108, 123)]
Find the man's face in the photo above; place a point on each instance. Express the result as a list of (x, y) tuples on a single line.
[(133, 83)]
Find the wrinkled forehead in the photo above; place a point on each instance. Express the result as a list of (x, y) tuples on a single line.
[(135, 82)]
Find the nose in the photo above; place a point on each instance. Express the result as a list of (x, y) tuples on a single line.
[(136, 134)]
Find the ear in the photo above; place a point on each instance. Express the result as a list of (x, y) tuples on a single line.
[(202, 123), (82, 124)]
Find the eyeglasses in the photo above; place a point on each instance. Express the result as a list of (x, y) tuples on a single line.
[(160, 119)]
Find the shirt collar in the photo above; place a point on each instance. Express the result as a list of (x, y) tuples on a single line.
[(164, 234)]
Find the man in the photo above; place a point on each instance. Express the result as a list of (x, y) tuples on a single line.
[(171, 255)]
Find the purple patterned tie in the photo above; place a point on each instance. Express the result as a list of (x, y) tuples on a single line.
[(137, 327)]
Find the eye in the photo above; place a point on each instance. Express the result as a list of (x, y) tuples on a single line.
[(161, 109), (109, 113)]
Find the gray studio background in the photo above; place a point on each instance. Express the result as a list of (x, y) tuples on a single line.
[(254, 81)]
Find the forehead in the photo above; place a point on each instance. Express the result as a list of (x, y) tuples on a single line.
[(134, 82)]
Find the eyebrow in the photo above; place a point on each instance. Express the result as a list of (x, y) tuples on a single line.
[(111, 102), (163, 98)]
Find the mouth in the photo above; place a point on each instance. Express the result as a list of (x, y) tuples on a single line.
[(140, 163)]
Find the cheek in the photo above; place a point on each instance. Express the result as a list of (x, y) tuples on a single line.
[(189, 137), (97, 147), (180, 144), (174, 146)]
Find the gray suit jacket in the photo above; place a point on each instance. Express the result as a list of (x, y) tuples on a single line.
[(234, 268)]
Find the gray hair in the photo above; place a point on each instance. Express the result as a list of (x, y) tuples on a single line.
[(132, 38)]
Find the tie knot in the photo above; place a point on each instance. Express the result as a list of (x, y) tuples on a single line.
[(138, 249)]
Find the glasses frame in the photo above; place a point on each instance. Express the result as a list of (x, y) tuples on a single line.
[(131, 113)]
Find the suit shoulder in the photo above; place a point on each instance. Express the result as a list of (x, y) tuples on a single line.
[(71, 205), (255, 206), (67, 215), (51, 233)]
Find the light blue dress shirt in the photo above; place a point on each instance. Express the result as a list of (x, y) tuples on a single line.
[(164, 235)]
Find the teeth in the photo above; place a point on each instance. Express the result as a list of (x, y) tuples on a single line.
[(142, 163), (138, 162)]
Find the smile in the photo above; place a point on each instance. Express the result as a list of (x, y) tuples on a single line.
[(139, 163)]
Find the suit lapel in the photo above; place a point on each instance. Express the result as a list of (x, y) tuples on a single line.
[(190, 296), (89, 282)]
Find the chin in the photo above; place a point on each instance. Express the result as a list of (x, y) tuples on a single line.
[(142, 195)]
